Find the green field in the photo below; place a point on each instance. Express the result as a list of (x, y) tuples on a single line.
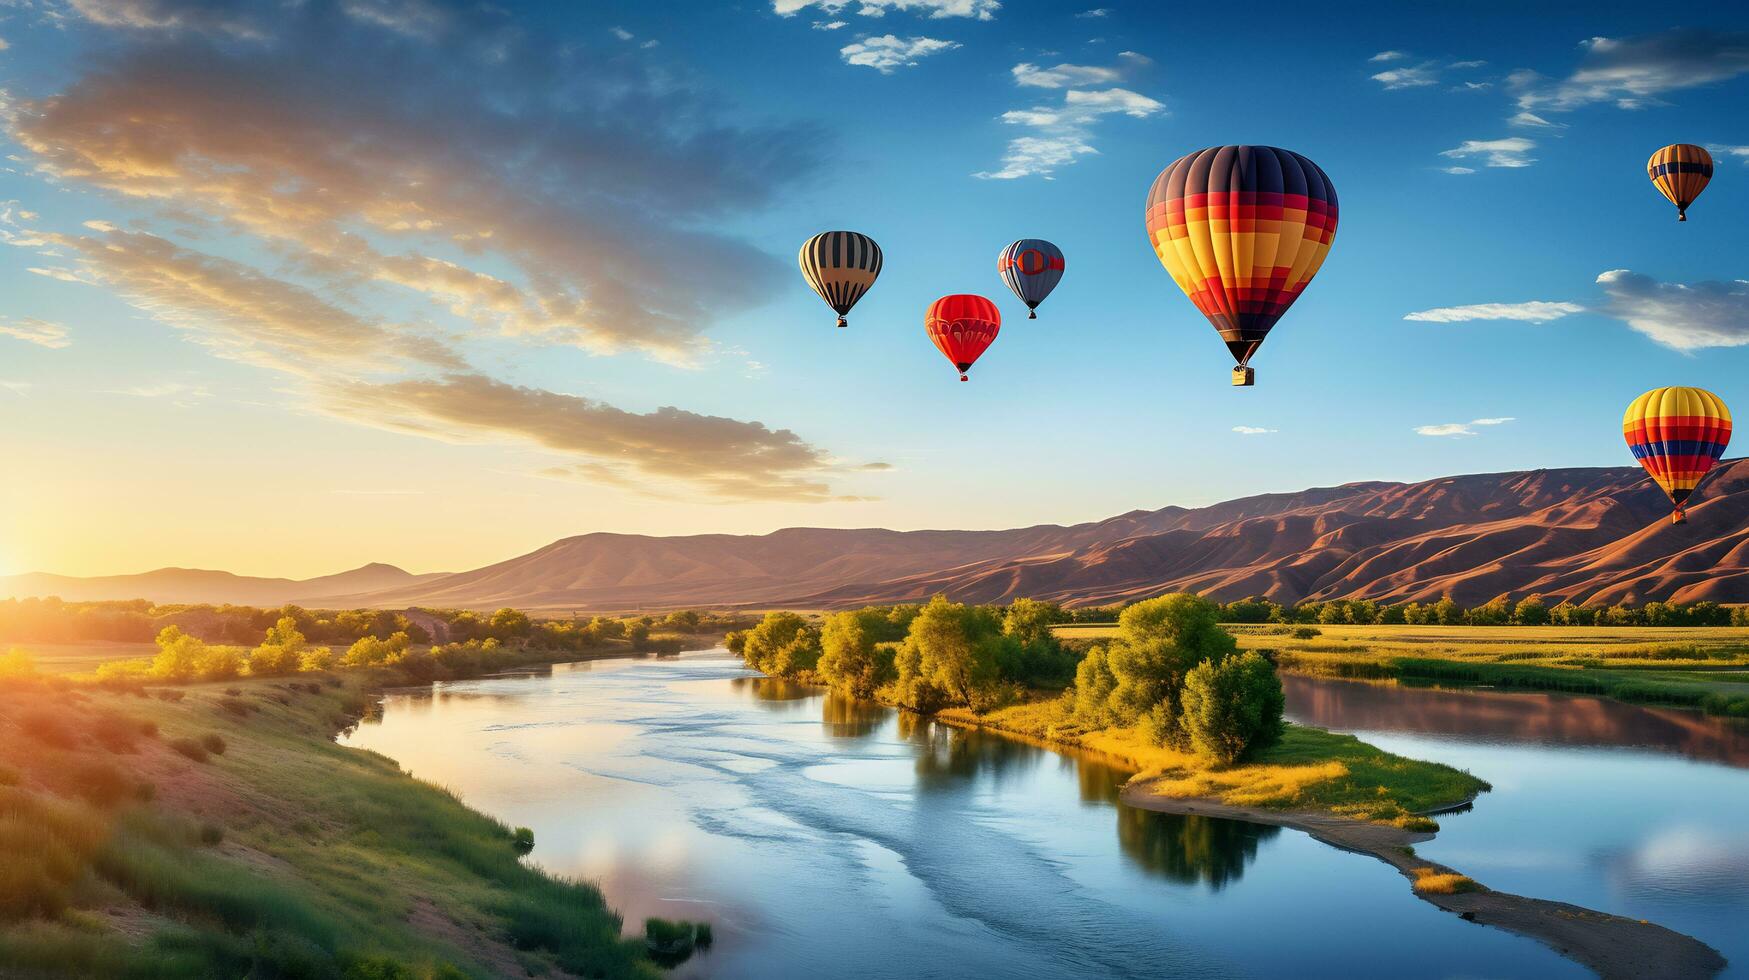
[(68, 659)]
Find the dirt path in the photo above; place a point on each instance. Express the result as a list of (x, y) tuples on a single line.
[(1609, 944)]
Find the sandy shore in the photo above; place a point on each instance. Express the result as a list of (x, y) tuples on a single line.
[(1609, 944)]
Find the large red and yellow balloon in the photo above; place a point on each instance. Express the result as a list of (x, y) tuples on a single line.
[(1242, 230), (962, 327), (1677, 434), (1681, 171)]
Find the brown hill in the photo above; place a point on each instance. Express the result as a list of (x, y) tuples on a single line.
[(174, 585), (1590, 535)]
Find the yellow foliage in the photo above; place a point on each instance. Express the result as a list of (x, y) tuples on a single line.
[(1435, 882)]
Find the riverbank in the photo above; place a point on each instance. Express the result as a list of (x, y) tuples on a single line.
[(1611, 945), (217, 829), (1297, 785)]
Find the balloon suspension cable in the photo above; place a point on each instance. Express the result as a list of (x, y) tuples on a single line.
[(843, 322), (1032, 314)]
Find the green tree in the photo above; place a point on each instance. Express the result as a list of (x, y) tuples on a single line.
[(1232, 707), (852, 659), (1531, 611), (1159, 641), (683, 620), (370, 651), (783, 644), (1393, 615), (1495, 612), (1030, 621), (281, 652), (951, 655), (1445, 612), (510, 624), (1333, 613), (1094, 683), (179, 655)]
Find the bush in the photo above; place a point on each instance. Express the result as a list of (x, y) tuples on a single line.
[(316, 659), (1307, 632), (190, 748), (211, 834), (1232, 707), (523, 840), (100, 783), (49, 729), (370, 650), (213, 742), (237, 706)]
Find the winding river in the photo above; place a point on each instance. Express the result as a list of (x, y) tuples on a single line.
[(829, 837)]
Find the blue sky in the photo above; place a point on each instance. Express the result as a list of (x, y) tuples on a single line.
[(408, 281)]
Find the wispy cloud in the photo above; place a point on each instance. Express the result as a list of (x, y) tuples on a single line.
[(1460, 428), (1416, 76), (976, 9), (1531, 120), (889, 52), (828, 25), (1063, 133), (39, 332), (1252, 430), (1456, 170), (1635, 72), (1726, 150), (1513, 151), (1681, 316), (175, 392), (1095, 12), (1535, 311), (1392, 55), (1423, 74)]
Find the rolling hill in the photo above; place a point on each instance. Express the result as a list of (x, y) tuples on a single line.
[(191, 585), (1597, 535)]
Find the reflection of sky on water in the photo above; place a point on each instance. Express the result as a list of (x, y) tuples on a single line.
[(1612, 806), (827, 837)]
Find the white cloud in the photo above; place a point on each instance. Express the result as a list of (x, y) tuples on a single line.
[(1459, 428), (978, 9), (1509, 152), (176, 393), (1457, 170), (1531, 120), (1535, 311), (828, 25), (1462, 65), (888, 52), (621, 33), (1389, 56), (1063, 133), (1408, 77), (1633, 72), (1095, 12), (4, 44), (1723, 150), (1063, 76), (1682, 316), (39, 332), (17, 387), (1251, 430)]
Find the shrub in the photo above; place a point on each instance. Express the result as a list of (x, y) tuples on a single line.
[(211, 834), (123, 673), (47, 845), (221, 664), (237, 706), (1232, 707), (100, 783), (316, 659), (49, 729), (273, 660), (523, 840), (179, 655), (190, 748), (1434, 882), (117, 733), (370, 650), (1307, 632), (17, 665), (213, 742)]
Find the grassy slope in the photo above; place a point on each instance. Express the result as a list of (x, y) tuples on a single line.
[(332, 861), (1310, 769)]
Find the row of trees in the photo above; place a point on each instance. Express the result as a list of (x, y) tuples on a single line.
[(1172, 670), (1532, 610)]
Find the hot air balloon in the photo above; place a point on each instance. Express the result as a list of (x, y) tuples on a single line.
[(1680, 171), (1242, 230), (962, 327), (1677, 434), (840, 266), (1031, 267)]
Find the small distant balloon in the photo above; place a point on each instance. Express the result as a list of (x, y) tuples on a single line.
[(1242, 230), (840, 266), (1031, 267), (962, 326), (1681, 171), (1677, 434)]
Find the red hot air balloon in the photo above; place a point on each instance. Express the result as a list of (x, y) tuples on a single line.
[(962, 326)]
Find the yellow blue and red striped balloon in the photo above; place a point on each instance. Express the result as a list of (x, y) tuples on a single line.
[(1681, 171), (1242, 230), (840, 266), (1677, 434)]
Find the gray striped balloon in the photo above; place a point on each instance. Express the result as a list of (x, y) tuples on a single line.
[(840, 266), (1031, 267)]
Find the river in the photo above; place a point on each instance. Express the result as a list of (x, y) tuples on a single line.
[(828, 837)]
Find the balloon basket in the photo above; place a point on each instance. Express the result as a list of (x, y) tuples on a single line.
[(1244, 377), (1678, 516)]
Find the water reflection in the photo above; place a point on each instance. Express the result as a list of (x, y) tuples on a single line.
[(1496, 716), (846, 717), (1190, 849)]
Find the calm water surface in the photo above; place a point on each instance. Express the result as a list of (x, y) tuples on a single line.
[(1637, 811), (825, 837)]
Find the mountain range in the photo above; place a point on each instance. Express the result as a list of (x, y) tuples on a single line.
[(1594, 535)]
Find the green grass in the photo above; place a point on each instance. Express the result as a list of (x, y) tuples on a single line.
[(286, 855), (1309, 769)]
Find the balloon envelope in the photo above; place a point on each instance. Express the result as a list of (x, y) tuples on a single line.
[(962, 327), (1677, 434), (1242, 230), (1681, 171), (840, 266), (1031, 267)]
